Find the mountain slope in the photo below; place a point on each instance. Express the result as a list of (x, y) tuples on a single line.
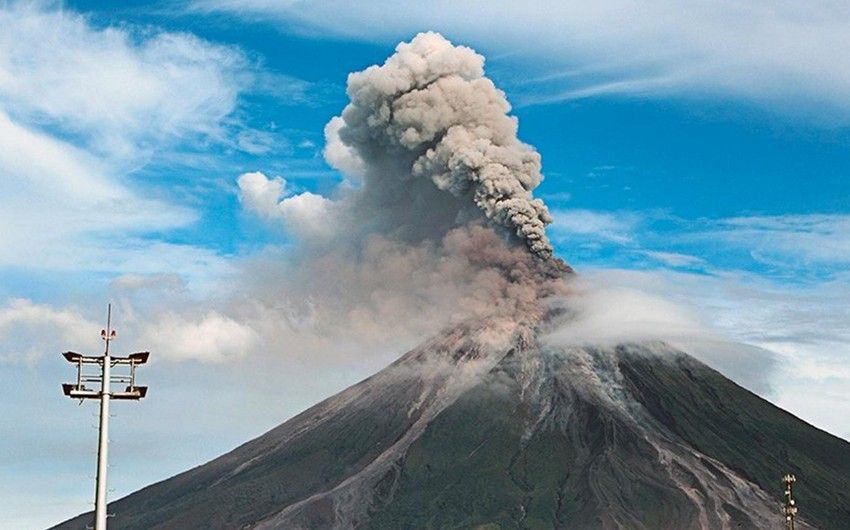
[(454, 435)]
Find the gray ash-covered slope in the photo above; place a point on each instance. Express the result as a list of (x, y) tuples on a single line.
[(633, 437)]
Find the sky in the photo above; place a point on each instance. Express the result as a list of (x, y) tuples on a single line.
[(695, 158)]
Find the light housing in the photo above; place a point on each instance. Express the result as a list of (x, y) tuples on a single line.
[(72, 357), (79, 391), (139, 357), (132, 392)]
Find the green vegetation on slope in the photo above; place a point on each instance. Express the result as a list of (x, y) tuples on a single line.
[(748, 434)]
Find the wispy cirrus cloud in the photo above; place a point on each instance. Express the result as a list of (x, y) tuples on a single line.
[(770, 53), (802, 245), (84, 109), (114, 91), (577, 225), (674, 259), (792, 240)]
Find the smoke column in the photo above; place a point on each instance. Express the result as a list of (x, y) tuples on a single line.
[(439, 147), (436, 223)]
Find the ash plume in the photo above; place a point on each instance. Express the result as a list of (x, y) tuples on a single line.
[(435, 224), (439, 147)]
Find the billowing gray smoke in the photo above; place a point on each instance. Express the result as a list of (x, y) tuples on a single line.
[(439, 147), (436, 223)]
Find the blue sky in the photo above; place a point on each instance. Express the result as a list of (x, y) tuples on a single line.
[(693, 155)]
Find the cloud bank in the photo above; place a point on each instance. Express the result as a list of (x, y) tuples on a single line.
[(28, 330)]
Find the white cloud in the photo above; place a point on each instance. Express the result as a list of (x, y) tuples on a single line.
[(614, 227), (261, 194), (339, 155), (609, 313), (169, 282), (122, 90), (611, 306), (784, 324), (81, 107), (769, 52), (29, 330), (211, 337), (55, 199), (793, 239), (674, 259), (305, 214), (814, 244)]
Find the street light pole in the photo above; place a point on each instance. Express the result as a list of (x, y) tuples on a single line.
[(103, 429), (79, 390)]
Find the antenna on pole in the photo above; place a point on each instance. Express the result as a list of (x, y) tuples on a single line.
[(790, 508), (78, 390)]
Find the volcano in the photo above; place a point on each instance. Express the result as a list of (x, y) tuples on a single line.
[(533, 435), (493, 423)]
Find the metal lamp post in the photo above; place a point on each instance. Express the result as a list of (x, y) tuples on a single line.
[(79, 390)]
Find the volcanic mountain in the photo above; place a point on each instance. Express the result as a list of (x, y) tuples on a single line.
[(494, 423), (456, 434)]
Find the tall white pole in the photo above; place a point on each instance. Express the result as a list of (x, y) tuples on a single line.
[(103, 433), (79, 391)]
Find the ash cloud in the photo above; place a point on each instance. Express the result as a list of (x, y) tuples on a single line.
[(383, 292), (439, 148), (435, 223)]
